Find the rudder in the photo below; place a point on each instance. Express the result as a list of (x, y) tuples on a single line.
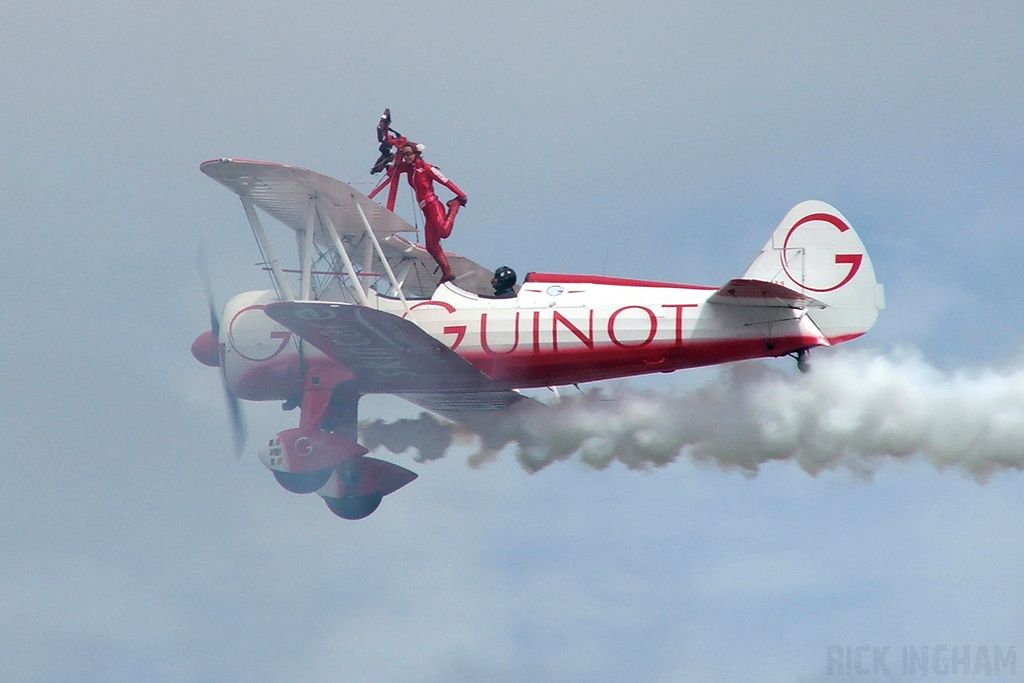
[(816, 252)]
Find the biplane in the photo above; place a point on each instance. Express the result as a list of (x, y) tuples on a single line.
[(362, 314)]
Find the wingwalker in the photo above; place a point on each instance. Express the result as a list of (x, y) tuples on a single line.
[(422, 176), (361, 313)]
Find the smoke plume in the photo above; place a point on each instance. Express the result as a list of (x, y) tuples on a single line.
[(853, 410), (428, 435)]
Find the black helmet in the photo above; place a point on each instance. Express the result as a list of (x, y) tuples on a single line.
[(504, 279)]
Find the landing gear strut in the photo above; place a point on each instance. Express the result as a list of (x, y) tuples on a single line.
[(322, 454)]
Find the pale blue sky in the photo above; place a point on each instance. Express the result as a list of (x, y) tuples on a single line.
[(660, 140)]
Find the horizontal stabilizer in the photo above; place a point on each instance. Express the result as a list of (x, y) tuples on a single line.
[(741, 292)]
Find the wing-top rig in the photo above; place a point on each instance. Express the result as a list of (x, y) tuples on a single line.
[(323, 212)]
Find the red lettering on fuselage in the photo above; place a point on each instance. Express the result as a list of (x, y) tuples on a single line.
[(460, 333), (458, 330), (650, 335), (587, 339), (501, 330), (679, 319), (483, 336), (639, 332)]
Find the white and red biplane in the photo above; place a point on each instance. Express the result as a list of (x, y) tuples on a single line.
[(364, 315)]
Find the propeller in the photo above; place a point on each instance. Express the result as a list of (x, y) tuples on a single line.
[(238, 430)]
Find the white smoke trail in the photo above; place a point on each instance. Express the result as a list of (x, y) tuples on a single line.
[(431, 437), (852, 410)]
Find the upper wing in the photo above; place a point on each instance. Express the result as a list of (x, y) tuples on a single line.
[(392, 355), (291, 194), (285, 192)]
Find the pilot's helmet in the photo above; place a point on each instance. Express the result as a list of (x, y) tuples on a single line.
[(504, 278)]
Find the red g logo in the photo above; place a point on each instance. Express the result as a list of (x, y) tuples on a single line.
[(250, 324), (821, 284)]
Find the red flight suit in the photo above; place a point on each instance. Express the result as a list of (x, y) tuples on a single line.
[(439, 222)]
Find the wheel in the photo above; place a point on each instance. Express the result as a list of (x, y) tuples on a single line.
[(354, 507), (803, 361), (303, 482)]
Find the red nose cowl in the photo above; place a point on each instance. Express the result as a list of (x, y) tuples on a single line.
[(206, 349)]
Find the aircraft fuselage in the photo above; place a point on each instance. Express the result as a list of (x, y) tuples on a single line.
[(552, 333)]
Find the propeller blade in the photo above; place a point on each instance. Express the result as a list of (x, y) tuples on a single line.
[(238, 431), (204, 274)]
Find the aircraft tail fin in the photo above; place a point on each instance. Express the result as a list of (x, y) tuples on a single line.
[(816, 253)]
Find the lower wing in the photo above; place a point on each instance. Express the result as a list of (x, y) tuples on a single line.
[(391, 355)]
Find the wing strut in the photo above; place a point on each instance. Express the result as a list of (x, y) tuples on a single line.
[(280, 283), (305, 240), (327, 225), (380, 252)]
